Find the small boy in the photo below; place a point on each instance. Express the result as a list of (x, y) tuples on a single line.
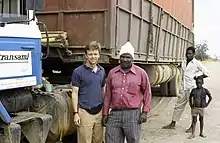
[(197, 101)]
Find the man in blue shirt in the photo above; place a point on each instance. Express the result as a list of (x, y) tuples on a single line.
[(88, 81)]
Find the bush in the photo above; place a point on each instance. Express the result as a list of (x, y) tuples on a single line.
[(201, 51)]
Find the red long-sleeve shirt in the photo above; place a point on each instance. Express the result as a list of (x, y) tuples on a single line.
[(127, 90)]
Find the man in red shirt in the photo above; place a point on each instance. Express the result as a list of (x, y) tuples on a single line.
[(127, 91)]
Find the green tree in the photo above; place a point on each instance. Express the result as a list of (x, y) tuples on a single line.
[(201, 51)]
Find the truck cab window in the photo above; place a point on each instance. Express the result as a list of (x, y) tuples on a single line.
[(12, 10), (1, 6), (13, 6)]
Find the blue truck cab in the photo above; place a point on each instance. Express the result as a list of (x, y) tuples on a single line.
[(20, 47), (20, 55), (20, 44)]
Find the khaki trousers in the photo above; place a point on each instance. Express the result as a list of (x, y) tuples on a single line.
[(180, 105), (91, 129)]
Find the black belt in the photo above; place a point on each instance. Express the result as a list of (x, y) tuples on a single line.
[(125, 109), (94, 110)]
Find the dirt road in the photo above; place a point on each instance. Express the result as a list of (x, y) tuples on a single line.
[(152, 132)]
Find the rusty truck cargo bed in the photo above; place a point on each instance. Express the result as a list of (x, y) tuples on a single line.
[(158, 33)]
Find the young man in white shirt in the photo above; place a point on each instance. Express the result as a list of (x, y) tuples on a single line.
[(190, 68)]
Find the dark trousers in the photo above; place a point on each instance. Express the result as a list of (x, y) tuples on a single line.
[(121, 124)]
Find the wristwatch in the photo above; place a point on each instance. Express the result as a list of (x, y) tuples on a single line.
[(75, 113)]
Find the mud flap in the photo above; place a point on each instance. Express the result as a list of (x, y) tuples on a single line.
[(12, 133), (34, 126)]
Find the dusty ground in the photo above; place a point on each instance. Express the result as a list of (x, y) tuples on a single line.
[(152, 132)]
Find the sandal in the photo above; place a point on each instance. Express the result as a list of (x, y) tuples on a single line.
[(191, 137), (168, 127), (188, 130), (201, 135)]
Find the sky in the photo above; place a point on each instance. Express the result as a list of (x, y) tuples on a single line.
[(207, 24)]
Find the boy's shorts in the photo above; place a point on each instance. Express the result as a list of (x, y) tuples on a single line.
[(197, 111)]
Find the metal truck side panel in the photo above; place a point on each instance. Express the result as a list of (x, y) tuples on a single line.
[(155, 34), (182, 10), (170, 37), (83, 20)]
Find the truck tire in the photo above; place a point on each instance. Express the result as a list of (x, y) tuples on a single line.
[(175, 84)]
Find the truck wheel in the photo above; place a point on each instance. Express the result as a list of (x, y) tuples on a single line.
[(174, 84)]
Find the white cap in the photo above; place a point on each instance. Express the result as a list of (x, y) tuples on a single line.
[(127, 48)]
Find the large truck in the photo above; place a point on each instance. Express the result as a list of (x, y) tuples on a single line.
[(159, 30)]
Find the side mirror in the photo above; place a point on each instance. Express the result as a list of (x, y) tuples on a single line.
[(36, 5)]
